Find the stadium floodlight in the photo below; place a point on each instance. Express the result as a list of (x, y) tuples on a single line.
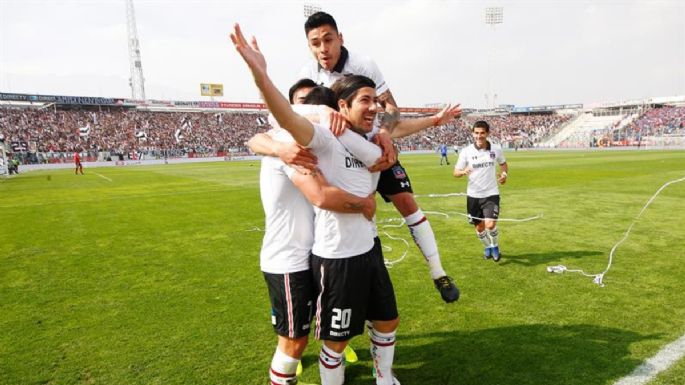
[(310, 9), (493, 16), (136, 81)]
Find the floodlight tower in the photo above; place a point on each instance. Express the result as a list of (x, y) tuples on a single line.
[(136, 81), (310, 9), (493, 16)]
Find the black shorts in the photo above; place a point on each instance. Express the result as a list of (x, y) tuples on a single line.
[(292, 300), (393, 181), (352, 290), (482, 208)]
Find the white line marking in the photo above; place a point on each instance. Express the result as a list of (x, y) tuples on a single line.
[(664, 358), (102, 176)]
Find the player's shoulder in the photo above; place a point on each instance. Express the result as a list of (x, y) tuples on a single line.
[(361, 64), (496, 147)]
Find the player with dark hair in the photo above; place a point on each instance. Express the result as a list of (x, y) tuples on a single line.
[(332, 62), (479, 161), (354, 284), (299, 90)]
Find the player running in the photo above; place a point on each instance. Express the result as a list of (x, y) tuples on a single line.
[(478, 161)]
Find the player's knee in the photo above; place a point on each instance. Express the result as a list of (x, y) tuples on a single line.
[(386, 326), (294, 347), (405, 203)]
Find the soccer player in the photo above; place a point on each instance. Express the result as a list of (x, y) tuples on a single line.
[(443, 153), (284, 258), (348, 265), (479, 161), (77, 163), (332, 62)]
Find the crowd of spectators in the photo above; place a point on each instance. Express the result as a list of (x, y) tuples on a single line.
[(53, 134), (656, 121), (511, 130), (128, 132)]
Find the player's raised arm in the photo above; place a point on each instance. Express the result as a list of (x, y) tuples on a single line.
[(299, 127), (407, 127)]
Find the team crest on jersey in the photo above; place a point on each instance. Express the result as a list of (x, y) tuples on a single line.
[(398, 171), (492, 155)]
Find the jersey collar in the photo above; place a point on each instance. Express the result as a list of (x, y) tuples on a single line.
[(487, 146), (344, 55)]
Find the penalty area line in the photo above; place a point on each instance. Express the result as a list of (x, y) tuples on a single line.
[(661, 361), (102, 176)]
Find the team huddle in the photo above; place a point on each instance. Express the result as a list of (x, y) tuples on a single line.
[(329, 151)]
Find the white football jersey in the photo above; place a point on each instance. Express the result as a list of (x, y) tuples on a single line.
[(348, 63), (339, 235), (289, 217), (483, 178)]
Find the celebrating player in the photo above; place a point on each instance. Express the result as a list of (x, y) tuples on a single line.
[(478, 161), (332, 62), (348, 265)]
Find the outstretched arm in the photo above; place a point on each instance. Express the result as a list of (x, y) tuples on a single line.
[(299, 127), (327, 197), (290, 153), (407, 127)]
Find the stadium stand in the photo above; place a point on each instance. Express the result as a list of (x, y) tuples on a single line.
[(48, 129)]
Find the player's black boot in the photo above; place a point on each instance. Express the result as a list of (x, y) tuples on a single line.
[(448, 290)]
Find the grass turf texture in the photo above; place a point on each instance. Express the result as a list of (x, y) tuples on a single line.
[(153, 277)]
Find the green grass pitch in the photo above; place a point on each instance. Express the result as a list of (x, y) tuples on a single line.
[(150, 275)]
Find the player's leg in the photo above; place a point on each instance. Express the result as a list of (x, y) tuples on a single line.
[(491, 212), (395, 186), (340, 310), (475, 212), (385, 319), (291, 298)]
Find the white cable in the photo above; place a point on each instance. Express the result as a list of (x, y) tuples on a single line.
[(440, 195), (504, 219), (599, 278), (389, 263)]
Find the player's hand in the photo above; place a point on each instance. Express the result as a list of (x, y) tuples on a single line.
[(295, 155), (338, 122), (384, 141), (468, 170), (382, 164), (448, 113), (249, 52), (502, 178), (370, 207)]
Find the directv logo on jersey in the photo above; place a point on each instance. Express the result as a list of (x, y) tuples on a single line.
[(483, 165), (353, 163)]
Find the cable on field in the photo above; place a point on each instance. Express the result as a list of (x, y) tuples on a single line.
[(599, 278)]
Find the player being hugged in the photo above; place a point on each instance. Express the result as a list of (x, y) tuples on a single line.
[(347, 263), (479, 161)]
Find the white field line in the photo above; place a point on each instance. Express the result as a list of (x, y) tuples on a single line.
[(102, 176), (662, 360)]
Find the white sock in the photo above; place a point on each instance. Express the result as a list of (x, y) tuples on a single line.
[(331, 368), (383, 354), (484, 238), (420, 229), (494, 236), (283, 369)]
